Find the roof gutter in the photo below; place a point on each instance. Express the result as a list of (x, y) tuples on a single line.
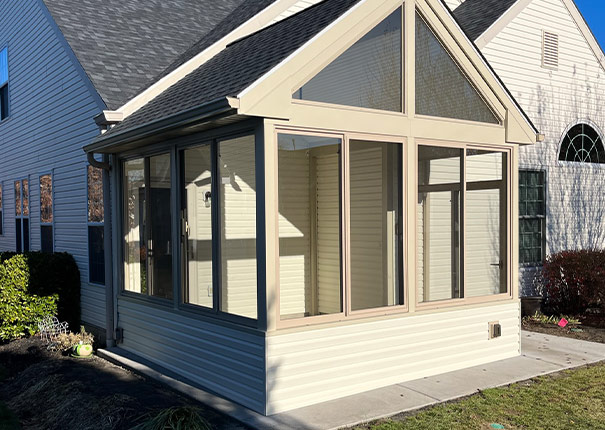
[(206, 112)]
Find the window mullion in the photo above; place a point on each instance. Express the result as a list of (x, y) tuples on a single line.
[(215, 200), (462, 235), (345, 228)]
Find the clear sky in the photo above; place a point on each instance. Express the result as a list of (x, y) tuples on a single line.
[(594, 13)]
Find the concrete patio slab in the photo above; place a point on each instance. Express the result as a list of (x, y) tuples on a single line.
[(541, 354)]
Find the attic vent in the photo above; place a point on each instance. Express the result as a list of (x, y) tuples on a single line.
[(550, 50)]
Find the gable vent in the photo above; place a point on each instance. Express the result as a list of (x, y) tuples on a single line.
[(550, 50)]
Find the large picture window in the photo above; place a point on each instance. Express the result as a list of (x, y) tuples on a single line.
[(147, 226), (313, 177), (456, 188), (532, 217), (219, 207)]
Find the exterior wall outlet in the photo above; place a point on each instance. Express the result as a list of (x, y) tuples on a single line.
[(495, 330)]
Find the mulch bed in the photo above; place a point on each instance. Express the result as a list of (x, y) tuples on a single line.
[(591, 334), (49, 391)]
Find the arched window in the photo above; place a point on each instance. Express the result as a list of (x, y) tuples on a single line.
[(582, 144)]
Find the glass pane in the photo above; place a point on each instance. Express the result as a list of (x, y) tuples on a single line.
[(367, 75), (96, 254), (25, 193), (376, 224), (18, 198), (442, 89), (3, 66), (95, 195), (309, 225), (197, 201), (135, 242), (438, 220), (46, 199), (530, 240), (238, 226), (18, 236), (486, 216), (160, 229), (26, 247), (46, 238)]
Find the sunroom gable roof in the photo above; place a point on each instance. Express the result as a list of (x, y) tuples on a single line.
[(251, 68)]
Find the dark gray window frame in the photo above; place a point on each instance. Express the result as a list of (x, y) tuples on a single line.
[(542, 218), (174, 147)]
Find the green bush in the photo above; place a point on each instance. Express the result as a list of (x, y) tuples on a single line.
[(54, 274), (20, 310)]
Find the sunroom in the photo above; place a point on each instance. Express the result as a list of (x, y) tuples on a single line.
[(325, 207)]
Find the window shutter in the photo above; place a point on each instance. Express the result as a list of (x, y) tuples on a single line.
[(550, 50)]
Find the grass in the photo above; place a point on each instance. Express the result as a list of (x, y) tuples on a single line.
[(177, 418), (545, 319), (573, 399)]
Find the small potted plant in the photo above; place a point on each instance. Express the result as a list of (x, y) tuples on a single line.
[(76, 344)]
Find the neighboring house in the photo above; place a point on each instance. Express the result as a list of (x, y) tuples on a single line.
[(62, 63), (316, 202), (548, 58)]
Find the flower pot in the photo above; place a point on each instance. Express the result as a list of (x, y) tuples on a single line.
[(82, 350)]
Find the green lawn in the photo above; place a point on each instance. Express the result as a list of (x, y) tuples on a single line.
[(573, 399)]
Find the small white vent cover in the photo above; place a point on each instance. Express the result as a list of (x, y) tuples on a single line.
[(550, 50)]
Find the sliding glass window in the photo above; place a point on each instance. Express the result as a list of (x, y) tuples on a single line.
[(147, 226), (218, 196), (312, 221), (457, 188)]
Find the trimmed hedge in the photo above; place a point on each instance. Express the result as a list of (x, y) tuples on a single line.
[(574, 281), (20, 311), (51, 274)]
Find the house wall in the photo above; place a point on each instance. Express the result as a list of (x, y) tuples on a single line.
[(311, 366), (52, 105), (227, 361), (554, 100)]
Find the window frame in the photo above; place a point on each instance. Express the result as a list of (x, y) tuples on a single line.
[(6, 85), (372, 24), (542, 218), (456, 302), (346, 314), (597, 130), (52, 208), (22, 217), (174, 147), (93, 224)]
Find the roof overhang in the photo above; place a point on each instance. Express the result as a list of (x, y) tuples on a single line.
[(209, 115)]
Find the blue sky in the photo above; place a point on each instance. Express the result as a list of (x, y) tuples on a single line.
[(594, 13)]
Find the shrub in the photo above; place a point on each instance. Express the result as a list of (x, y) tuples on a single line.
[(20, 311), (573, 281), (54, 274)]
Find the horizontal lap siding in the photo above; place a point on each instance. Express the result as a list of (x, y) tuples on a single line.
[(555, 99), (51, 119), (322, 364), (228, 362)]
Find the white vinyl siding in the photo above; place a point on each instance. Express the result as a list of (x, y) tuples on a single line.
[(318, 365), (555, 100), (51, 119)]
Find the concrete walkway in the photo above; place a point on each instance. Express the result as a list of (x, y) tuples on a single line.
[(541, 355)]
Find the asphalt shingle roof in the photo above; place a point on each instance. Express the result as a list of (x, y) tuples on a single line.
[(124, 46), (238, 66), (476, 16)]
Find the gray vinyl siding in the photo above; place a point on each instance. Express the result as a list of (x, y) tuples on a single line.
[(52, 105), (229, 362), (554, 100)]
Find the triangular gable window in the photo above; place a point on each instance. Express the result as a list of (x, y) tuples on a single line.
[(442, 89), (368, 74)]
